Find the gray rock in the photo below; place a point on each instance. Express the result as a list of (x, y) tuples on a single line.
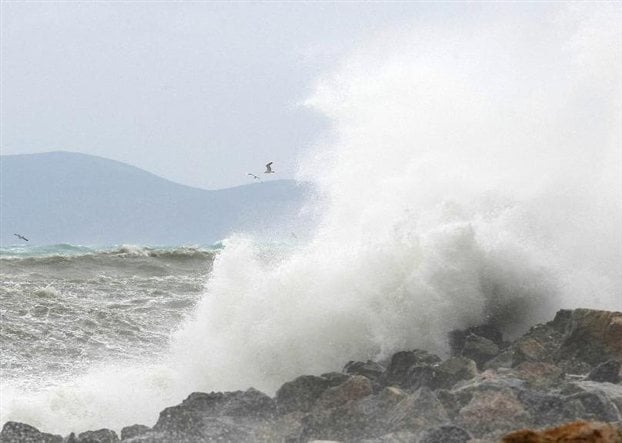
[(457, 337), (417, 411), (445, 434), (479, 349), (14, 432), (397, 373), (369, 369), (133, 431), (99, 436), (608, 371), (451, 371), (300, 394)]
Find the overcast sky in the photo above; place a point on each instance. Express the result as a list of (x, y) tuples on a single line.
[(200, 93)]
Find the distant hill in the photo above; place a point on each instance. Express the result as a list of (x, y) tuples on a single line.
[(63, 197)]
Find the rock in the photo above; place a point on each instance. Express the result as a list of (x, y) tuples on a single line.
[(547, 409), (99, 436), (592, 337), (595, 406), (133, 431), (479, 349), (457, 337), (451, 371), (493, 412), (608, 371), (20, 432), (369, 369), (542, 342), (397, 373), (355, 388), (227, 415), (579, 431), (611, 391), (417, 411), (445, 434), (394, 437), (300, 394)]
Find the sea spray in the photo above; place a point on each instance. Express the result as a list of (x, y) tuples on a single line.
[(473, 174)]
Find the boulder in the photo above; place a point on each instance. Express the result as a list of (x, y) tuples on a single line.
[(133, 431), (579, 431), (608, 371), (300, 394), (355, 388), (479, 349), (458, 337), (397, 372), (417, 411), (445, 434), (20, 432), (99, 436), (451, 371), (369, 369)]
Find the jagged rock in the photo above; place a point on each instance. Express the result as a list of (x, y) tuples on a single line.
[(445, 434), (300, 394), (369, 369), (133, 431), (479, 349), (226, 415), (13, 432), (592, 337), (493, 412), (580, 431), (335, 378), (355, 388), (608, 371), (548, 409), (611, 391), (502, 360), (542, 342), (394, 437), (451, 371), (397, 373), (418, 411), (458, 337), (99, 436)]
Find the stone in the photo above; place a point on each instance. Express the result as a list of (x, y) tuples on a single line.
[(369, 369), (397, 372), (20, 432), (608, 371), (99, 436), (133, 431), (458, 337), (479, 349), (592, 336), (355, 388), (493, 412), (451, 371), (575, 432), (417, 411), (445, 434), (301, 393)]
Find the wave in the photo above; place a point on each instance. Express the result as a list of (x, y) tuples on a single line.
[(472, 175)]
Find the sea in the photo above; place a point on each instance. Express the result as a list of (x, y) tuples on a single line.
[(472, 173)]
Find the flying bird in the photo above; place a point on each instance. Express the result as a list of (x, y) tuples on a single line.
[(21, 237), (254, 176), (269, 169)]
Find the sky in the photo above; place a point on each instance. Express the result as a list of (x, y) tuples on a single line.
[(200, 93)]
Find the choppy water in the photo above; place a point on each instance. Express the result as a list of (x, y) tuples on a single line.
[(66, 308)]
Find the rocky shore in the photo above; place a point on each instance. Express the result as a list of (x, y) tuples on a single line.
[(559, 382)]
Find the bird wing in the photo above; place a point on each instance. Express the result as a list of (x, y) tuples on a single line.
[(268, 168)]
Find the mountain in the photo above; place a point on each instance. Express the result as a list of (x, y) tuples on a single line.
[(64, 197)]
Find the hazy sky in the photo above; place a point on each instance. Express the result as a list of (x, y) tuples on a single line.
[(200, 93)]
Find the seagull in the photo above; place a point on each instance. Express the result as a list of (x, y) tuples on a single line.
[(268, 169), (254, 176), (21, 237)]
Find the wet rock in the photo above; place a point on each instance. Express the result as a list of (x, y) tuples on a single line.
[(418, 411), (542, 342), (611, 391), (451, 371), (595, 406), (355, 388), (369, 369), (394, 437), (99, 436), (479, 349), (457, 338), (301, 393), (226, 415), (445, 434), (608, 371), (580, 431), (397, 373), (593, 336), (20, 432), (133, 431), (493, 412)]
